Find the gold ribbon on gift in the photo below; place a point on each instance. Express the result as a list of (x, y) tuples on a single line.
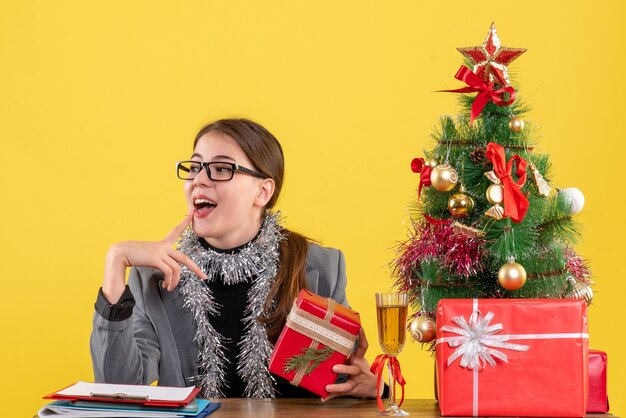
[(321, 331)]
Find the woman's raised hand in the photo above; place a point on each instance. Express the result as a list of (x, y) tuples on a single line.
[(157, 254)]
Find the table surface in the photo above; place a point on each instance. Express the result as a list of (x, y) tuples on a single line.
[(335, 408)]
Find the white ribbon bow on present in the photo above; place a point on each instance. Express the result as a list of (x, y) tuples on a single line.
[(476, 341)]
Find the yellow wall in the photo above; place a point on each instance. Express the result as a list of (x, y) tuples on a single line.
[(98, 99)]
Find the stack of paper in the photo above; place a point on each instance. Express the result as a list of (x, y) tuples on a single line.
[(133, 401)]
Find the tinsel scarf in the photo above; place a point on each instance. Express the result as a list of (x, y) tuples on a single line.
[(256, 261)]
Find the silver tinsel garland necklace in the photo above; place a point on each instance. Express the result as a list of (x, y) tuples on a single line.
[(257, 260)]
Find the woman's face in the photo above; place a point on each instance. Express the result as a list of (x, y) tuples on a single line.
[(226, 213)]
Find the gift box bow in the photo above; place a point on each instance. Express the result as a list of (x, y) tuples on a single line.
[(477, 342)]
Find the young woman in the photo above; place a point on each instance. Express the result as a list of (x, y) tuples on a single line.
[(209, 312)]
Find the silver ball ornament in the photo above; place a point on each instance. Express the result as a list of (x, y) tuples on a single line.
[(574, 198)]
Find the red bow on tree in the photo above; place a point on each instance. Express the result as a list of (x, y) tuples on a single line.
[(515, 202), (418, 165), (377, 368), (485, 91)]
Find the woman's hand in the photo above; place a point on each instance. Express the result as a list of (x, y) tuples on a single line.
[(361, 382), (159, 255)]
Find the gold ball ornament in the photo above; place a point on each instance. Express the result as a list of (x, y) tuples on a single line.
[(495, 194), (431, 162), (460, 204), (423, 329), (516, 124), (512, 276), (444, 177)]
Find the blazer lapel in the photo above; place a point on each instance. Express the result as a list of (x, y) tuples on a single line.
[(184, 331)]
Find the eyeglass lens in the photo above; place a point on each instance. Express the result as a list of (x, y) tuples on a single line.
[(216, 171)]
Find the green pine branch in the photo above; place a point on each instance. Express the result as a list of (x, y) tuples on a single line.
[(308, 360)]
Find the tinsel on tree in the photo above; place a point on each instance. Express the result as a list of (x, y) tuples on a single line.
[(486, 221)]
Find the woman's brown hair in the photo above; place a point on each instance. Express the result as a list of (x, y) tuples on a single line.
[(266, 154)]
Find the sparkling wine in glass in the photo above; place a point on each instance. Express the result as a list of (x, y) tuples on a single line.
[(391, 310)]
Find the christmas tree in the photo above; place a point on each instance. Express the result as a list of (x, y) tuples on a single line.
[(487, 223)]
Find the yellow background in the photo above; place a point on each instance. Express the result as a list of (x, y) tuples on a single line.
[(98, 99)]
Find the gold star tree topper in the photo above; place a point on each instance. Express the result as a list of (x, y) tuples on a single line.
[(491, 58)]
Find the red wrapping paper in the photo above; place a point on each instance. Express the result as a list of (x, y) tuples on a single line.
[(291, 342), (550, 378), (598, 398)]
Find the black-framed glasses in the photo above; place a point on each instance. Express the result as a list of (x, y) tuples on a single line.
[(216, 170)]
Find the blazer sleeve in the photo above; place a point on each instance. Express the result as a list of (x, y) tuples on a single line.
[(339, 294), (326, 271), (126, 351)]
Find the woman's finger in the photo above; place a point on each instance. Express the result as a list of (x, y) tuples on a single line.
[(187, 262), (175, 233), (167, 272), (350, 369), (329, 397), (175, 278), (340, 387), (363, 344)]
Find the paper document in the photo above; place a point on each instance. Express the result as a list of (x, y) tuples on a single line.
[(153, 393)]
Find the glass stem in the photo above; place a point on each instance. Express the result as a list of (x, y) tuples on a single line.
[(392, 387)]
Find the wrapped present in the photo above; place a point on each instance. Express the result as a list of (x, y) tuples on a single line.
[(598, 398), (512, 357), (319, 333)]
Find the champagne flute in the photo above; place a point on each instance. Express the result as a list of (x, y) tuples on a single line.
[(391, 309)]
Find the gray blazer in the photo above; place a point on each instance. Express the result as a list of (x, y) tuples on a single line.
[(156, 342)]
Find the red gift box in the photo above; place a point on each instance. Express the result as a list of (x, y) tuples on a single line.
[(598, 398), (512, 357), (315, 323)]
